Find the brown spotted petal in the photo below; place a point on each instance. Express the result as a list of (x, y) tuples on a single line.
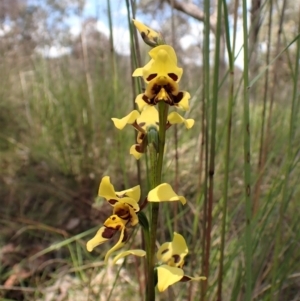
[(161, 89), (126, 212), (103, 235), (129, 196), (112, 225), (120, 243), (173, 253)]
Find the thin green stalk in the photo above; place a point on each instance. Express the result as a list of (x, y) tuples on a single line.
[(206, 95), (135, 62), (156, 175), (212, 153), (262, 153), (276, 68), (112, 51), (227, 148), (247, 169), (288, 167)]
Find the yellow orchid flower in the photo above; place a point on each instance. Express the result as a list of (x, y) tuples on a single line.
[(142, 122), (125, 202), (150, 37), (164, 193), (171, 255), (162, 76), (111, 226), (125, 208)]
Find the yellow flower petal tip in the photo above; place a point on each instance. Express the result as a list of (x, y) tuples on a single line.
[(135, 153), (164, 193), (138, 72), (106, 189), (167, 276), (183, 100), (128, 119), (90, 246), (175, 118), (139, 253), (102, 235), (150, 37), (140, 102)]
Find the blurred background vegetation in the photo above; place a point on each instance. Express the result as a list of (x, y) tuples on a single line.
[(59, 89)]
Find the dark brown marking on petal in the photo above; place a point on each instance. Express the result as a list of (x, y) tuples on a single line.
[(185, 279), (108, 233), (141, 124), (120, 195), (145, 98), (113, 218), (151, 76), (169, 88), (125, 216), (140, 148), (143, 35), (125, 236), (112, 201), (173, 76), (178, 97), (155, 89), (123, 213), (176, 258), (164, 251)]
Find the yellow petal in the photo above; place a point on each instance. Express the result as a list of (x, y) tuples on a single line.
[(133, 152), (140, 102), (134, 220), (115, 222), (138, 72), (129, 196), (101, 236), (164, 193), (150, 36), (128, 119), (174, 118), (117, 246), (122, 211), (164, 66), (182, 100), (154, 52), (130, 202), (134, 193), (106, 189), (167, 276), (139, 253), (173, 253), (148, 117), (179, 245)]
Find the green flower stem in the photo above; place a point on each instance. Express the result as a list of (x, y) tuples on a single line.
[(156, 162), (247, 167), (163, 114)]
